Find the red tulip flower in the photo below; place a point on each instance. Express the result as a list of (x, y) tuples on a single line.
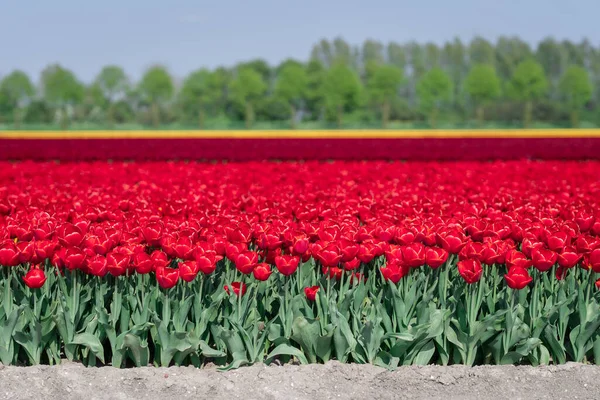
[(287, 265), (35, 278), (167, 277), (517, 278), (470, 270), (246, 261), (238, 288), (96, 265), (311, 292), (435, 257), (543, 259), (262, 272)]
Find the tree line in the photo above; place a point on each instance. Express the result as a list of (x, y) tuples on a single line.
[(506, 81)]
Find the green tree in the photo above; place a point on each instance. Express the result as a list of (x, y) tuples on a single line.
[(199, 92), (157, 87), (246, 88), (434, 89), (291, 86), (576, 89), (112, 84), (527, 85), (62, 91), (341, 90), (382, 88), (483, 86), (17, 91), (315, 75)]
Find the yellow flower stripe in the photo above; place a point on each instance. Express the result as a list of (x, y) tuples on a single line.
[(305, 134)]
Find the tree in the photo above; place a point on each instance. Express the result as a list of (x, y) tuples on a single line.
[(246, 88), (315, 74), (341, 90), (112, 83), (200, 90), (481, 51), (291, 86), (382, 88), (576, 88), (157, 87), (434, 89), (62, 90), (483, 86), (17, 91), (528, 84)]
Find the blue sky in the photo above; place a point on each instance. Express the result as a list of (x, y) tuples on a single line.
[(185, 34)]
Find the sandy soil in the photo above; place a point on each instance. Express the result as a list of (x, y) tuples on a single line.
[(330, 381)]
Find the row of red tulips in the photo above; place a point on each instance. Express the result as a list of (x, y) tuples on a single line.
[(313, 227)]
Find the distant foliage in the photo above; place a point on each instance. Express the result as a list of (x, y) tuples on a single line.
[(507, 82)]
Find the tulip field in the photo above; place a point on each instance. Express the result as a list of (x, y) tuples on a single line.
[(388, 263)]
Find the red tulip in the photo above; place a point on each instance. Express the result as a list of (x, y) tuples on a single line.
[(413, 255), (394, 272), (435, 257), (143, 263), (592, 260), (515, 258), (543, 259), (35, 278), (348, 249), (351, 265), (9, 256), (117, 262), (569, 257), (470, 270), (517, 278), (167, 277), (262, 272), (152, 233), (452, 241), (96, 265), (159, 259), (329, 256), (73, 258), (238, 288), (188, 270), (597, 284), (557, 241), (311, 292), (69, 235), (287, 265), (246, 261)]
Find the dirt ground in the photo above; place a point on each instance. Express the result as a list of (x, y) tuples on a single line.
[(330, 381)]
